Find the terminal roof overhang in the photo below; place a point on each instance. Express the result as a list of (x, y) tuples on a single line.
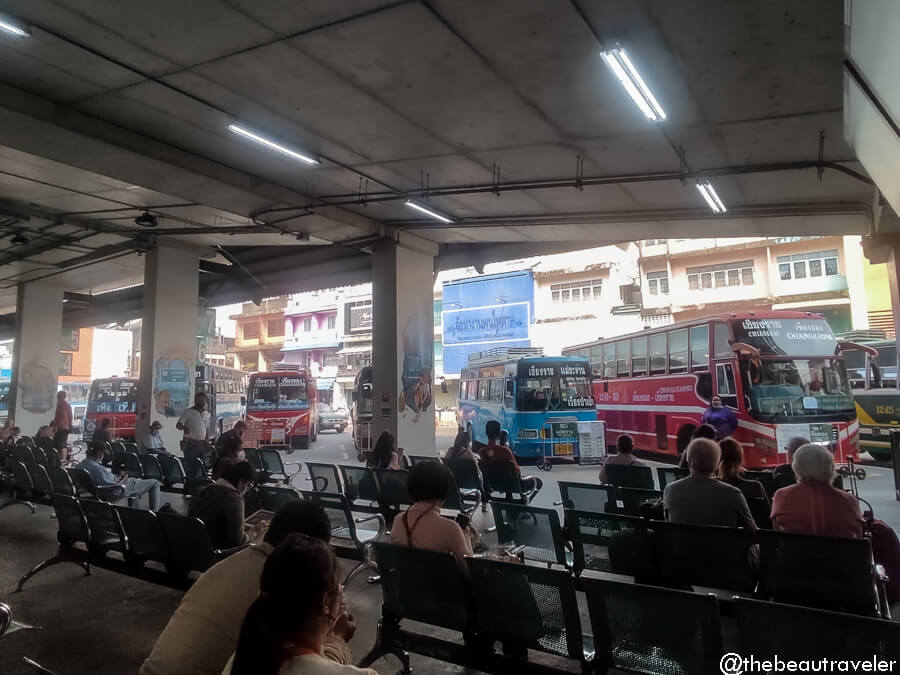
[(501, 116)]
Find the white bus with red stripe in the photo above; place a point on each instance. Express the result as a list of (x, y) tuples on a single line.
[(281, 409), (781, 372)]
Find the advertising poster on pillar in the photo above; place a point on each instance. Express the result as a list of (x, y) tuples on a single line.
[(38, 387), (415, 323), (172, 384)]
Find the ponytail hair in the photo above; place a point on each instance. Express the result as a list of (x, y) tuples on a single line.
[(296, 580)]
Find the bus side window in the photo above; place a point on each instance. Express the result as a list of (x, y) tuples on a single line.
[(678, 351), (725, 386), (510, 397)]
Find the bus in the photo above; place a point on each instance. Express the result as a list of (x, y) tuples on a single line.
[(115, 398), (281, 409), (77, 394), (873, 376), (361, 412), (226, 389), (537, 399), (781, 372)]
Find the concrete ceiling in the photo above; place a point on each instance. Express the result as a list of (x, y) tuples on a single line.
[(110, 107)]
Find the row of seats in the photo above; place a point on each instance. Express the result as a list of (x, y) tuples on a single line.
[(633, 627), (138, 536)]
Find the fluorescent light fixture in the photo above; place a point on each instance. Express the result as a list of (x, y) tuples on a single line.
[(8, 26), (428, 212), (622, 67), (246, 133), (711, 197)]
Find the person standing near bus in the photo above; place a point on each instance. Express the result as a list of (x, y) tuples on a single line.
[(194, 422), (63, 422), (722, 419)]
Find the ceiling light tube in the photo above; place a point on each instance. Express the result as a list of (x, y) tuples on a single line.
[(620, 64), (715, 196), (701, 188), (8, 26), (246, 133), (428, 212)]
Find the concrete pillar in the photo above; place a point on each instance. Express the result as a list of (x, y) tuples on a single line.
[(856, 282), (893, 265), (168, 340), (36, 360), (403, 342)]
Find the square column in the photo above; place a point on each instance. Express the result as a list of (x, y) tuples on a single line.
[(403, 343), (168, 340), (36, 360)]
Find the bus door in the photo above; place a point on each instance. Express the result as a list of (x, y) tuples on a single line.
[(727, 384)]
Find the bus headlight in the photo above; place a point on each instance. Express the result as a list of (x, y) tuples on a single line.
[(527, 433)]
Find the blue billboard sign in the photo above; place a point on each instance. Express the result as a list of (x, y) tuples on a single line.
[(484, 312)]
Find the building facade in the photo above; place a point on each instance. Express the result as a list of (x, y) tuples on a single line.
[(312, 338), (259, 334), (684, 279)]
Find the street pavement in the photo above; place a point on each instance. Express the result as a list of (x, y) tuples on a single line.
[(332, 447)]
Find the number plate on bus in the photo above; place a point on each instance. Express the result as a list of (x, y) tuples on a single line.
[(563, 449)]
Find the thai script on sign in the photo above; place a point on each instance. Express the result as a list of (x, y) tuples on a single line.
[(573, 370), (580, 402), (539, 371), (762, 327), (292, 382), (265, 382)]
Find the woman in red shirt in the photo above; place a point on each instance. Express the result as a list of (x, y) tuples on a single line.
[(813, 505)]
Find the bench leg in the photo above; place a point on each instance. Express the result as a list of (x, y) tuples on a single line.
[(364, 565), (60, 557), (380, 650), (23, 502)]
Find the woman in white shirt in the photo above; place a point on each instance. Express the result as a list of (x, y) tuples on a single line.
[(300, 600)]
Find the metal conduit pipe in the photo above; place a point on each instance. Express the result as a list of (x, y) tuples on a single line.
[(552, 184)]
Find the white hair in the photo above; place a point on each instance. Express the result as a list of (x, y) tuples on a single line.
[(813, 463)]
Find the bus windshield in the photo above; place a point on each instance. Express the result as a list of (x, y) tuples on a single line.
[(553, 386), (283, 393), (797, 387), (113, 396)]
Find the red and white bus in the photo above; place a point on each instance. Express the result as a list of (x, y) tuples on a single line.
[(781, 372), (281, 409), (115, 398)]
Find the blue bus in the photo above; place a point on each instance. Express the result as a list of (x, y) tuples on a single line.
[(537, 399), (226, 388)]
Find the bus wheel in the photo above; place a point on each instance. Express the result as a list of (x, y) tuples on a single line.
[(315, 434), (304, 442), (547, 465), (860, 473)]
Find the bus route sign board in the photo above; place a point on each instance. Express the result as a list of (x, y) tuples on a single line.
[(592, 442), (564, 437)]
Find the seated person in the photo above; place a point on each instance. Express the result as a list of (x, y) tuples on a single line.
[(231, 451), (700, 498), (385, 454), (813, 505), (44, 432), (703, 431), (229, 437), (207, 611), (623, 456), (731, 466), (134, 487), (286, 628), (422, 525), (102, 433), (461, 448), (496, 451), (221, 506), (783, 474), (153, 442)]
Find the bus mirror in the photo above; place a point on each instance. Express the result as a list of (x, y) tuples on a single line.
[(243, 400), (876, 373), (443, 386)]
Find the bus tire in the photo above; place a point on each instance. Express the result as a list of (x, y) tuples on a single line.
[(547, 465), (314, 434), (304, 442)]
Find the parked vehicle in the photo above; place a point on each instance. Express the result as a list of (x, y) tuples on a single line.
[(329, 418)]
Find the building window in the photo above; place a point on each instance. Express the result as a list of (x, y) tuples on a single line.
[(330, 359), (251, 331), (332, 322), (576, 291), (65, 363), (275, 328), (438, 309), (720, 276), (307, 325), (69, 341), (804, 265), (658, 283)]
